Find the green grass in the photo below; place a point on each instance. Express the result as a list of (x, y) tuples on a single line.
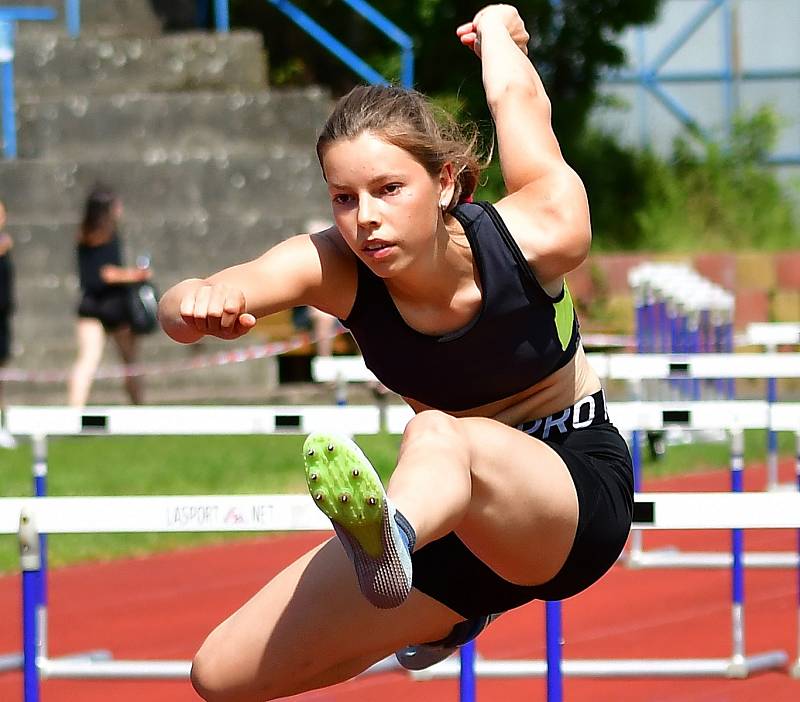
[(693, 458), (164, 465), (168, 465)]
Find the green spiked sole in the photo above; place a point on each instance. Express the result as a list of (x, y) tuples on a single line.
[(345, 486)]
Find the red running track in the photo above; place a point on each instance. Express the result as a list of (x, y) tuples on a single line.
[(161, 607)]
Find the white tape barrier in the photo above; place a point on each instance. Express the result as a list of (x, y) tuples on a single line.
[(366, 419), (619, 366), (203, 513)]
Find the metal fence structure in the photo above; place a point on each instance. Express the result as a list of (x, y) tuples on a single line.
[(701, 63)]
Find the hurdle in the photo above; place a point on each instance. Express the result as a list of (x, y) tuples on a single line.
[(689, 414), (29, 517), (188, 513), (366, 419), (39, 423), (653, 511), (771, 335)]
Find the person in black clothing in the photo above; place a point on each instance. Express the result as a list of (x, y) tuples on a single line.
[(6, 310), (6, 289), (103, 307), (511, 484)]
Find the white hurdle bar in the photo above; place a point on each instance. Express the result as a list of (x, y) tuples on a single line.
[(39, 423), (210, 420), (619, 366), (635, 368), (188, 513), (61, 515), (631, 417)]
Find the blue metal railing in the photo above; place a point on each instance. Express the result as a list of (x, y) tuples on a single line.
[(336, 47), (651, 76), (9, 16)]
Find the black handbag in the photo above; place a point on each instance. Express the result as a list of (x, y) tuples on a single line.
[(143, 308)]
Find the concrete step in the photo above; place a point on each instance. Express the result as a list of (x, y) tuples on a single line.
[(278, 181), (48, 63), (108, 17), (149, 126)]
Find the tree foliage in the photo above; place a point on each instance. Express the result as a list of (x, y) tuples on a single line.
[(572, 42)]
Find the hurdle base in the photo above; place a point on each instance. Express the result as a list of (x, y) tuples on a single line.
[(621, 668), (10, 661), (83, 668), (675, 558), (15, 661)]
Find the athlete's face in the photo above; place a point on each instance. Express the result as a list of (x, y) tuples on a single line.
[(386, 205)]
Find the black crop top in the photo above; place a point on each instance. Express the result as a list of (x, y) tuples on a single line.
[(91, 260), (519, 337)]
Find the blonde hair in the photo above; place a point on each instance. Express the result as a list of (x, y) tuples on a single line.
[(407, 120)]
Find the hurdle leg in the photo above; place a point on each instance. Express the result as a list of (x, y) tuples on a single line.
[(466, 672), (30, 563), (772, 439), (795, 671), (637, 536), (39, 445), (741, 665), (555, 687)]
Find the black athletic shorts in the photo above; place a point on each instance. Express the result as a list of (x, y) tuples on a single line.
[(599, 462), (111, 308), (5, 337)]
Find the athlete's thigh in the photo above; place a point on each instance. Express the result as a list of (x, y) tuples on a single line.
[(308, 622), (524, 510)]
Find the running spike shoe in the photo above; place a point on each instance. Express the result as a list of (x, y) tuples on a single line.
[(421, 656), (375, 536)]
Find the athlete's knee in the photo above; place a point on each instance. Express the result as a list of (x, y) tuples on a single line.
[(217, 676), (207, 678), (211, 679), (432, 423)]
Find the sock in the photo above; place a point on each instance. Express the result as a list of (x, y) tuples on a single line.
[(407, 532)]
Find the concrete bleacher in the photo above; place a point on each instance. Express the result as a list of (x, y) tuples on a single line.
[(213, 166)]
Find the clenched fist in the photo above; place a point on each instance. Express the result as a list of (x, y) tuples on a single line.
[(216, 309), (507, 15)]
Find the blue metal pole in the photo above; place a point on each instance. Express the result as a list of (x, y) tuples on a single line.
[(30, 564), (72, 9), (331, 43), (7, 70), (797, 483), (553, 632), (636, 456), (772, 437), (407, 68), (685, 34), (379, 21), (30, 673), (222, 15), (466, 678), (40, 490), (728, 62), (728, 347), (641, 91), (737, 546)]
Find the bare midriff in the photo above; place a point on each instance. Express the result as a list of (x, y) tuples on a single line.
[(557, 391)]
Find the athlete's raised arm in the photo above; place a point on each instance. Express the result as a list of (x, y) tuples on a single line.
[(546, 208)]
